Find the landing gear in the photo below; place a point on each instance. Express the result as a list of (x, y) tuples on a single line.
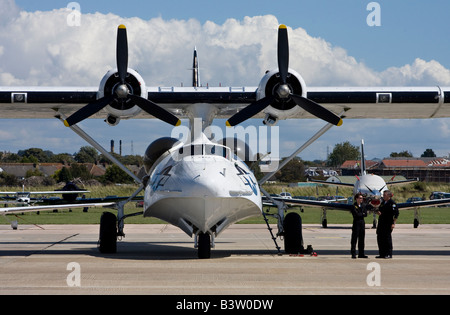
[(324, 218), (293, 239), (107, 242), (204, 245), (416, 218)]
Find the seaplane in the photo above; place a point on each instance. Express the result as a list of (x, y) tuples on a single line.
[(199, 183)]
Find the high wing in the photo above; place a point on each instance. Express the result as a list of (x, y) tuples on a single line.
[(281, 94), (359, 103)]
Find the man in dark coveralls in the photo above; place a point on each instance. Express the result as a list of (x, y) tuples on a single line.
[(359, 212), (388, 214)]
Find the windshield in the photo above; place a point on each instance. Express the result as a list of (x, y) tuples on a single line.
[(204, 149)]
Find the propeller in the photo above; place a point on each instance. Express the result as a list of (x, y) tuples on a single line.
[(283, 93), (122, 92)]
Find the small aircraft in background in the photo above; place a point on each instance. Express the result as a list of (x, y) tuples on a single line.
[(70, 192), (372, 187)]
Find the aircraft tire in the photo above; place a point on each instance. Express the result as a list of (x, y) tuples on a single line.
[(107, 243), (293, 239), (204, 245)]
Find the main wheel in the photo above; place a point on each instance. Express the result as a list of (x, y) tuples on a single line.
[(293, 239), (204, 245), (107, 242)]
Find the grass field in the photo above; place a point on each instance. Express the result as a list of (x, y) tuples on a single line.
[(310, 215)]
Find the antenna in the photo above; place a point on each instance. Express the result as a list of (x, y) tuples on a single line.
[(363, 160), (195, 71)]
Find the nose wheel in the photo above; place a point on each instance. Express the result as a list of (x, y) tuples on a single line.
[(107, 242), (204, 245)]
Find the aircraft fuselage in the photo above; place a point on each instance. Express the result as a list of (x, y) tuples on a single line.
[(201, 187)]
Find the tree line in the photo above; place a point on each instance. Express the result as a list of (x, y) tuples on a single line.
[(293, 171), (86, 154), (74, 166)]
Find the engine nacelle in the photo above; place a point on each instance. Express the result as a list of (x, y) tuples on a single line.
[(280, 109), (122, 109), (156, 149)]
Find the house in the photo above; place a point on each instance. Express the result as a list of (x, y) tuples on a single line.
[(430, 169)]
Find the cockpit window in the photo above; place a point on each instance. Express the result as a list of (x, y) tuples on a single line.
[(204, 149)]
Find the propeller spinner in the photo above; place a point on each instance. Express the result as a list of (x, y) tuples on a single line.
[(283, 92), (121, 92)]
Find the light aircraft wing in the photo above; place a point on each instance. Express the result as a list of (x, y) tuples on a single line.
[(331, 183), (312, 203), (55, 192), (424, 203), (348, 207), (360, 103), (52, 207), (51, 204)]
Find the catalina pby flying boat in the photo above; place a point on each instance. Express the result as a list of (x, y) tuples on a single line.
[(203, 185)]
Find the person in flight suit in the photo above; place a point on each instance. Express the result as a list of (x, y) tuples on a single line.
[(359, 212), (388, 214)]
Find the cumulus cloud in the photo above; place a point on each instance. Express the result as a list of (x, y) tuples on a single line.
[(40, 48)]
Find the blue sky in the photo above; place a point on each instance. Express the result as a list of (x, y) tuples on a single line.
[(410, 29)]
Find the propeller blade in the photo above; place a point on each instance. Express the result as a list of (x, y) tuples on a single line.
[(88, 110), (317, 110), (122, 52), (283, 52), (249, 111), (155, 110)]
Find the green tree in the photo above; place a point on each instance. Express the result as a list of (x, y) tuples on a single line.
[(8, 179), (35, 155), (64, 158), (33, 172), (115, 174), (342, 152), (87, 154), (293, 171), (428, 153), (401, 154), (64, 175), (80, 170)]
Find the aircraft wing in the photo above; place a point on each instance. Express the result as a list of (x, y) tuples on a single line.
[(331, 183), (51, 204), (78, 201), (359, 103), (424, 203), (348, 207), (312, 203), (399, 182), (52, 207)]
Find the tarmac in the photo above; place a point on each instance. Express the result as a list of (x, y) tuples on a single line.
[(161, 259)]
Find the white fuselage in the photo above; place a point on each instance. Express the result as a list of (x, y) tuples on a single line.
[(371, 186), (201, 187)]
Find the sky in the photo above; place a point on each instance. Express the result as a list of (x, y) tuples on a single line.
[(331, 44)]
